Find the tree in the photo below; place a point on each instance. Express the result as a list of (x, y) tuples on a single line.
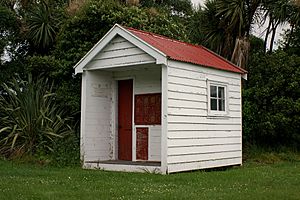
[(238, 16), (225, 27), (182, 8), (271, 106), (43, 24), (277, 12), (205, 28), (9, 32), (12, 45), (294, 20)]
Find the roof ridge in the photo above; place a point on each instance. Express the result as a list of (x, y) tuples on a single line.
[(156, 35), (161, 36)]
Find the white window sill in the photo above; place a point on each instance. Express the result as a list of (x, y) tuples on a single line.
[(217, 114)]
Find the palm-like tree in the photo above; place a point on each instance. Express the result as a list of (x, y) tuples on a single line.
[(207, 28), (277, 12), (238, 17), (226, 25), (42, 26), (294, 19)]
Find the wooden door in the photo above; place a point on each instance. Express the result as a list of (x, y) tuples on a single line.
[(125, 93)]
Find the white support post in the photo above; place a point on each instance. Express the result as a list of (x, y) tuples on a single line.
[(83, 110), (164, 119)]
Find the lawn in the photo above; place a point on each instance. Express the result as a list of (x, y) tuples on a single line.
[(252, 181)]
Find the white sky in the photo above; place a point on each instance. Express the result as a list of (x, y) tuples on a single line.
[(257, 30), (196, 2)]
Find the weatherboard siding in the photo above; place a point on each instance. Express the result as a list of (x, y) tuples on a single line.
[(117, 53), (96, 121), (195, 139)]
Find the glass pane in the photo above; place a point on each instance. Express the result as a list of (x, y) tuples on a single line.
[(213, 91), (221, 105), (221, 92), (213, 104)]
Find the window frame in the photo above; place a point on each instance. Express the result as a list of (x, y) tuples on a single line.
[(217, 112)]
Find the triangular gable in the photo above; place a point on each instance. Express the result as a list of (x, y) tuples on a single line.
[(117, 30), (119, 52)]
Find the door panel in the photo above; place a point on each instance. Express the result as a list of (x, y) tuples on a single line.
[(142, 135), (125, 93)]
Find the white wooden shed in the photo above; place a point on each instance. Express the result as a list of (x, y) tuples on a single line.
[(150, 103)]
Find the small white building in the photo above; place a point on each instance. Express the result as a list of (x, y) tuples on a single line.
[(150, 103)]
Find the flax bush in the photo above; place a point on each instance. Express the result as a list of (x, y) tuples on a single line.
[(30, 120)]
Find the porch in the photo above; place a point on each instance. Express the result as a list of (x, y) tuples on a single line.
[(122, 126), (127, 166)]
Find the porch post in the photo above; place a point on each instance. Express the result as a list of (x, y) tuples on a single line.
[(82, 122), (164, 119)]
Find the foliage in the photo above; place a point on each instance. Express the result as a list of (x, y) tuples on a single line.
[(277, 12), (41, 26), (9, 32), (252, 181), (53, 38), (271, 107), (66, 151), (43, 20), (291, 43), (205, 29), (83, 30), (225, 27), (30, 118), (175, 7)]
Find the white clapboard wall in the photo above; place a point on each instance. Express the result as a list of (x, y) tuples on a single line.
[(96, 127), (195, 139)]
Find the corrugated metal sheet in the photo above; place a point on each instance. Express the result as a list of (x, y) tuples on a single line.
[(185, 52)]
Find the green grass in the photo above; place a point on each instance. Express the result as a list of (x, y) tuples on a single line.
[(252, 181)]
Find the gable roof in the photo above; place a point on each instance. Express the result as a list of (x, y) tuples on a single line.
[(185, 52), (161, 48)]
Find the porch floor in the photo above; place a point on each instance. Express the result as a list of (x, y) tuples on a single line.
[(126, 162)]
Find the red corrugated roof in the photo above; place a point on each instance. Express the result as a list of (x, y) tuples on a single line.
[(185, 52)]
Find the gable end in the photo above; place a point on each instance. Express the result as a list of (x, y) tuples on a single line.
[(160, 57), (119, 52)]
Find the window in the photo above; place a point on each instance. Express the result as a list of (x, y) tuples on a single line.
[(217, 98)]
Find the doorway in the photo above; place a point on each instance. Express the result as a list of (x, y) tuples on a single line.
[(125, 99)]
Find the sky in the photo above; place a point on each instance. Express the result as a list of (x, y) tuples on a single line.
[(257, 30), (196, 2)]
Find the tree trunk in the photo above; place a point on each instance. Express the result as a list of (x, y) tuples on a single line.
[(287, 45), (274, 28), (241, 52), (267, 35)]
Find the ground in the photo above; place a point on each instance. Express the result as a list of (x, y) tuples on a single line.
[(251, 181)]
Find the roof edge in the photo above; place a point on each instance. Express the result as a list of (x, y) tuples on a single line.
[(94, 47), (225, 60)]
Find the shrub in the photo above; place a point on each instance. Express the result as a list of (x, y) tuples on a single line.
[(271, 107), (31, 120)]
